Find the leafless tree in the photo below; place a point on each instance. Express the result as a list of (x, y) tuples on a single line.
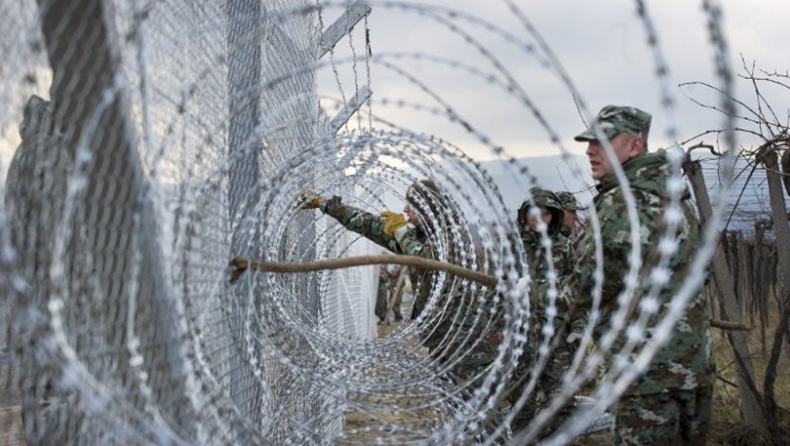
[(769, 128)]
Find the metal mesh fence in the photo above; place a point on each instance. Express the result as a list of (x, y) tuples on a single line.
[(166, 120)]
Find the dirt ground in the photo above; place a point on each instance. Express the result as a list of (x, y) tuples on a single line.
[(10, 417), (727, 428)]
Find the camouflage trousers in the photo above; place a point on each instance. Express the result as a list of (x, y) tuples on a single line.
[(679, 417), (382, 302), (549, 383)]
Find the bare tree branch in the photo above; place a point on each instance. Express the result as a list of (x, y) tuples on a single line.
[(713, 107)]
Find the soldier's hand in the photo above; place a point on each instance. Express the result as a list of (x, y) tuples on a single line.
[(309, 200), (497, 337), (573, 337), (392, 222)]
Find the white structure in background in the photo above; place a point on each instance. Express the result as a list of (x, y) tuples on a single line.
[(349, 298)]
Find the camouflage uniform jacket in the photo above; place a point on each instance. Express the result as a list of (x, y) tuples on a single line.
[(573, 235), (366, 224), (371, 226), (686, 361), (470, 315), (562, 259), (536, 255)]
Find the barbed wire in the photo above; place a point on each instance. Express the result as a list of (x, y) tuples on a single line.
[(126, 320)]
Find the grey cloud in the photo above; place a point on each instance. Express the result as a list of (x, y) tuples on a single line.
[(603, 47)]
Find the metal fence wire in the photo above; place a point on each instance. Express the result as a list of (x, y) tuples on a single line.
[(154, 141), (134, 183)]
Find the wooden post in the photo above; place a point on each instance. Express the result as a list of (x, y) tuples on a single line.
[(751, 406), (767, 155), (781, 228), (394, 293)]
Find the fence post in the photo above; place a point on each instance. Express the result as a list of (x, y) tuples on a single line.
[(767, 155), (751, 406), (781, 228)]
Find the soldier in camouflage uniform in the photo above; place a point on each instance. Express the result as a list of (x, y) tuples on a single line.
[(460, 328), (571, 229), (458, 332), (552, 214), (671, 402), (463, 337), (387, 281), (559, 362), (570, 219)]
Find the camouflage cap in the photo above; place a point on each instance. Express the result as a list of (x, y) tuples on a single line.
[(568, 201), (613, 120), (544, 198), (540, 197), (425, 190)]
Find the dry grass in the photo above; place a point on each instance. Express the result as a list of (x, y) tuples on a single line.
[(728, 428)]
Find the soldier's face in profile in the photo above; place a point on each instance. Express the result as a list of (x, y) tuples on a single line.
[(569, 219), (624, 149), (411, 215)]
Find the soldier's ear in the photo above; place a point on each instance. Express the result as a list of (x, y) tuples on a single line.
[(637, 146)]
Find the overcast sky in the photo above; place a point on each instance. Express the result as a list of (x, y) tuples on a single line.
[(601, 44)]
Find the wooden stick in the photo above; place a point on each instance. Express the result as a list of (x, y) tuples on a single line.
[(241, 264), (394, 294)]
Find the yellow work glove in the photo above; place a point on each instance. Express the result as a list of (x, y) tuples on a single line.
[(392, 222), (309, 200)]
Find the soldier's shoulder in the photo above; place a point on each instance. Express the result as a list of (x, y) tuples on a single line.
[(611, 205)]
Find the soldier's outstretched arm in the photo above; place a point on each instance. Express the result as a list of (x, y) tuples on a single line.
[(364, 223)]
